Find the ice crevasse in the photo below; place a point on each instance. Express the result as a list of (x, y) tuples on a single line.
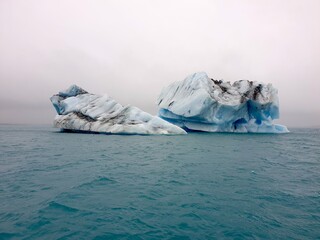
[(78, 110), (199, 103)]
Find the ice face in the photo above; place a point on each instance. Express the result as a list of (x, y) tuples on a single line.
[(203, 104), (79, 110)]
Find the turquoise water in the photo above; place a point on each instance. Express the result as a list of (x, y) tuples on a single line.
[(57, 185)]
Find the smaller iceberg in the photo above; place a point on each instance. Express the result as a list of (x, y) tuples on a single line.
[(200, 103), (79, 110)]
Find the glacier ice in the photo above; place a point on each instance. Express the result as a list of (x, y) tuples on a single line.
[(79, 110), (202, 104)]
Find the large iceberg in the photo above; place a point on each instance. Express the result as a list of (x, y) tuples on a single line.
[(202, 104), (79, 110)]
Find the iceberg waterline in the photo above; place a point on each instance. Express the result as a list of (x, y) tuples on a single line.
[(79, 110), (203, 104)]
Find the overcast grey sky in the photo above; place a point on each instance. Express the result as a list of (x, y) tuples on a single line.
[(131, 49)]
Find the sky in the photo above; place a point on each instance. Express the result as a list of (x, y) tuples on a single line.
[(130, 50)]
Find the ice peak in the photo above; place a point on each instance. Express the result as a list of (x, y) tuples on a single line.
[(72, 91)]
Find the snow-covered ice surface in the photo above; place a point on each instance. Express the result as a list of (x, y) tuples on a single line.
[(79, 110), (203, 104)]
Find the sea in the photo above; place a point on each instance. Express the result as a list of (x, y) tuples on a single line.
[(57, 185)]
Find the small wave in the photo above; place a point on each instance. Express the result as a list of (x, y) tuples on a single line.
[(56, 205), (192, 216), (177, 183), (97, 182), (147, 197), (6, 235)]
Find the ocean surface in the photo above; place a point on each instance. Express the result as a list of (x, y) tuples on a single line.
[(56, 185)]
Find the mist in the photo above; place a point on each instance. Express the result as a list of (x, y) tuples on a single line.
[(130, 50)]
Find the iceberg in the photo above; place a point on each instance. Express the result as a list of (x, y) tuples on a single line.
[(199, 103), (81, 111)]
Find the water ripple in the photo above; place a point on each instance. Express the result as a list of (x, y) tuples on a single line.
[(199, 186)]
